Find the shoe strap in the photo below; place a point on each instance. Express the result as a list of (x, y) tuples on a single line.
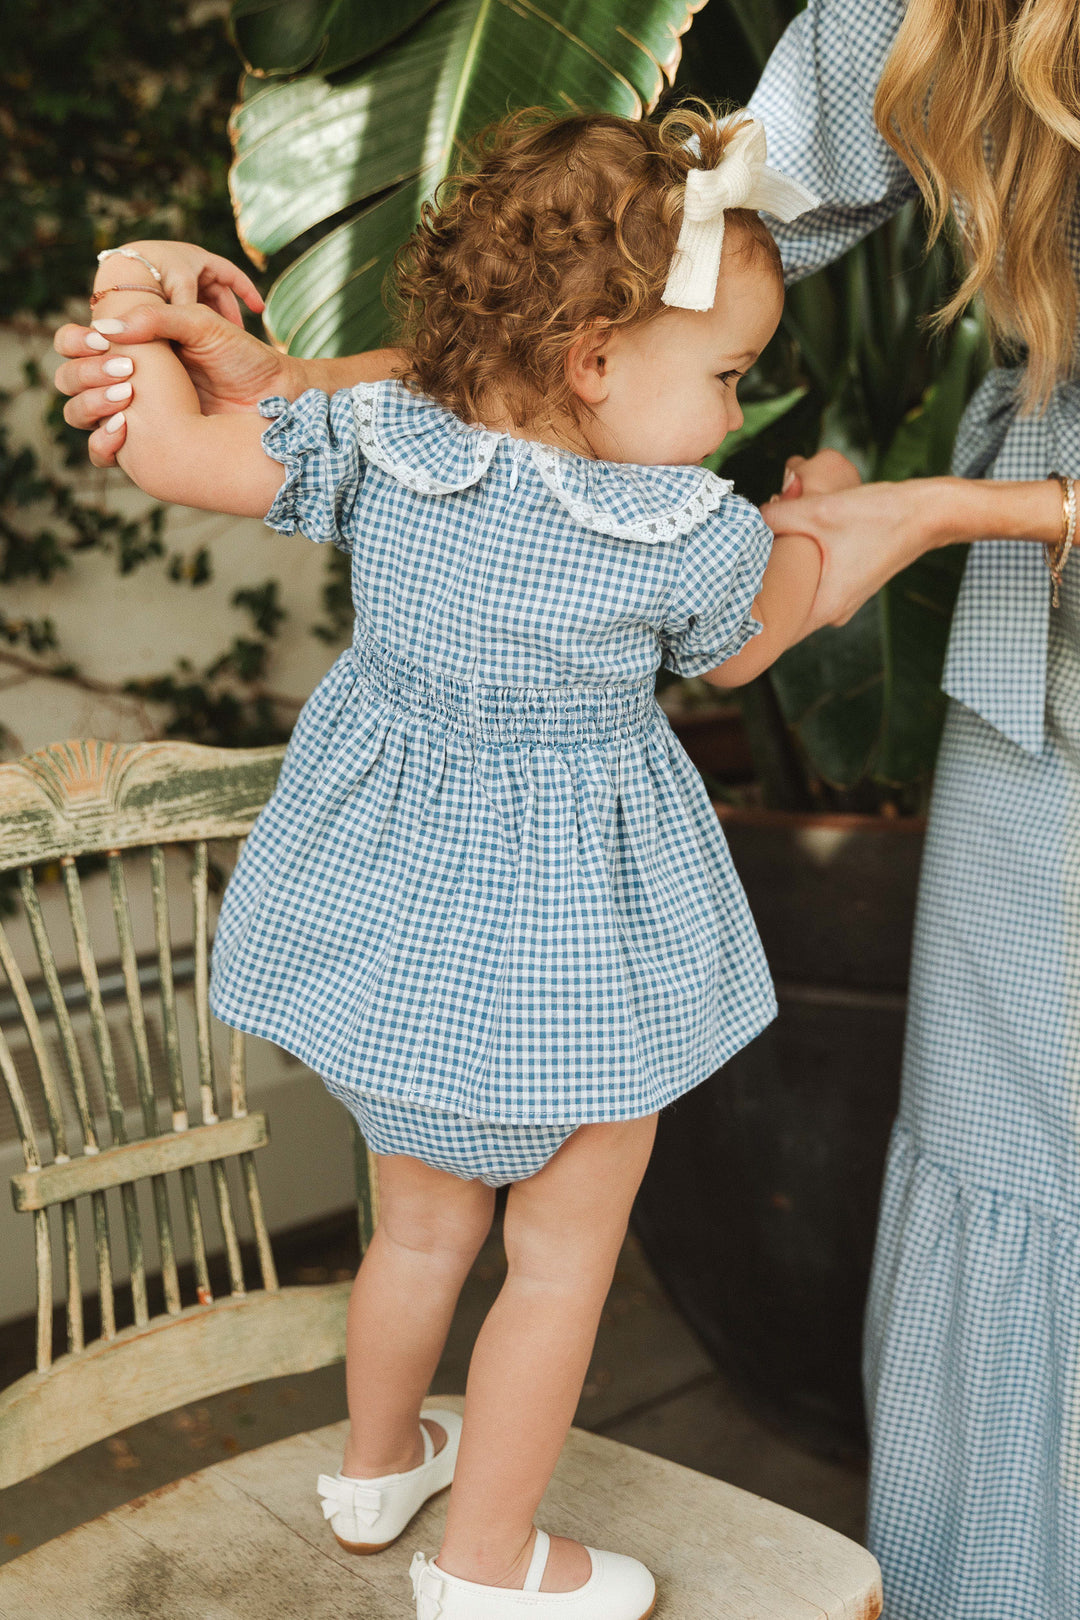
[(541, 1548), (429, 1444)]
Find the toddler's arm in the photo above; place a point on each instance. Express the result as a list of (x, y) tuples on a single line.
[(793, 573), (782, 605), (172, 451)]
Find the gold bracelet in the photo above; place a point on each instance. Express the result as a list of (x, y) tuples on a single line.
[(1058, 555), (127, 286)]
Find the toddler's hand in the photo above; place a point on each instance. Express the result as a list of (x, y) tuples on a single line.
[(190, 275), (822, 474), (231, 369)]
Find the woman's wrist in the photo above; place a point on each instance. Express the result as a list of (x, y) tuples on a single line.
[(992, 509)]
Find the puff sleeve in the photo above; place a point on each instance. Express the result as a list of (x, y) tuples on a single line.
[(709, 615), (315, 439), (816, 101)]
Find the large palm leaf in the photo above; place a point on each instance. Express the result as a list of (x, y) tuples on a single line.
[(379, 115)]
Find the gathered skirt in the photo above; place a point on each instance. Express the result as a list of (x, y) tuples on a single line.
[(973, 1333), (510, 905)]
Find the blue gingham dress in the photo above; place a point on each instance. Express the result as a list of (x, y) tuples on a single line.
[(490, 886), (973, 1333)]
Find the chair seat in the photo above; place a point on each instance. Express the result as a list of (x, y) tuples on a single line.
[(245, 1540)]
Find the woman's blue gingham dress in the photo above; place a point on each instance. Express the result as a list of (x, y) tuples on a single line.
[(973, 1342), (490, 883)]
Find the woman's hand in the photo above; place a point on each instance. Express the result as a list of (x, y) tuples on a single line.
[(869, 534), (230, 368), (866, 535)]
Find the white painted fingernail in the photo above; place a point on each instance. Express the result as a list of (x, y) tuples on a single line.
[(110, 328), (120, 367), (118, 391), (94, 340), (115, 423)]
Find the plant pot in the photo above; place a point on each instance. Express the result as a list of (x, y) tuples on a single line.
[(716, 741), (759, 1206)]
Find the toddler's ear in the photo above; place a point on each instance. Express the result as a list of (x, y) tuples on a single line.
[(586, 366)]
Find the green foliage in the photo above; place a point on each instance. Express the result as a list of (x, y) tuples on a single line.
[(113, 125), (851, 717), (363, 135), (283, 38), (865, 700)]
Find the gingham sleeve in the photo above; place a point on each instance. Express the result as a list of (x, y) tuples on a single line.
[(315, 439), (709, 616), (816, 100)]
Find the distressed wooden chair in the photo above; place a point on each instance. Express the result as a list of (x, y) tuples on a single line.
[(245, 1538)]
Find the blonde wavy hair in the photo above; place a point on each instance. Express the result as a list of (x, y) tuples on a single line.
[(557, 226), (981, 99)]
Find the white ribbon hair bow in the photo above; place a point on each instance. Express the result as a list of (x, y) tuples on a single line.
[(741, 179)]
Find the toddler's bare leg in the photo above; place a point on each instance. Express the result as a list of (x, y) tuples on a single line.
[(564, 1229), (431, 1227)]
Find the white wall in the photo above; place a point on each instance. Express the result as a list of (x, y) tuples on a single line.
[(121, 628)]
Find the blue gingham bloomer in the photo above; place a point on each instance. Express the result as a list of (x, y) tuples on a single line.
[(973, 1333), (490, 883)]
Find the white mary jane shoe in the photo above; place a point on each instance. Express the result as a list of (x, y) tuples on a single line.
[(619, 1588), (366, 1515)]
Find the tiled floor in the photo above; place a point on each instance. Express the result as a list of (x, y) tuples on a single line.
[(650, 1384)]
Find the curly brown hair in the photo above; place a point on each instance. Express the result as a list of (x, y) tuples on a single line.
[(561, 224)]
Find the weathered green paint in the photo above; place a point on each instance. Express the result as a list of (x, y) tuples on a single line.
[(76, 797), (133, 1161), (32, 907), (201, 937), (145, 1086), (50, 1091), (107, 1068)]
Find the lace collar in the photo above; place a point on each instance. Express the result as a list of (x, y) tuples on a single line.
[(429, 450)]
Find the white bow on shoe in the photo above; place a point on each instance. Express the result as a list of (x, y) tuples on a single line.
[(366, 1515), (348, 1497)]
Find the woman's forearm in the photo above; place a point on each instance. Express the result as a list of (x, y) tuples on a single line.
[(957, 509), (375, 365), (868, 535)]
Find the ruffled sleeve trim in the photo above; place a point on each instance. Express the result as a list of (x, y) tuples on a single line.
[(710, 617), (312, 438)]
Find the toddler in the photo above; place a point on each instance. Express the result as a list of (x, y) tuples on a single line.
[(489, 901)]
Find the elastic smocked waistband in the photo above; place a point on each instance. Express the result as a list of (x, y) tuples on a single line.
[(549, 716)]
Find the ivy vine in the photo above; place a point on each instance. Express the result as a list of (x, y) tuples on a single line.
[(113, 126)]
